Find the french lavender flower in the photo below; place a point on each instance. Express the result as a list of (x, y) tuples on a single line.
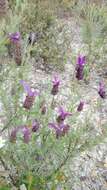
[(60, 129), (13, 134), (80, 106), (62, 115), (80, 67), (28, 103), (15, 40), (56, 83), (24, 130), (14, 37), (3, 8), (35, 126), (26, 134), (65, 128), (101, 90)]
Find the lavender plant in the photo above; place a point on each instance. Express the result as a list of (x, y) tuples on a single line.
[(15, 42), (39, 147), (41, 140), (80, 67)]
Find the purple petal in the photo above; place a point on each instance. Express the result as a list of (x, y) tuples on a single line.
[(56, 80), (53, 125), (101, 85), (14, 36), (35, 125), (60, 129), (13, 134), (27, 88), (81, 60), (62, 112), (26, 134), (62, 115), (36, 93)]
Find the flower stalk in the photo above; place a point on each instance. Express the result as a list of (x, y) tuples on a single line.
[(15, 42)]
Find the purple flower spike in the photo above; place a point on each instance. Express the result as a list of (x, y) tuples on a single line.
[(15, 47), (80, 67), (57, 129), (30, 95), (13, 134), (28, 89), (101, 90), (56, 83), (62, 115), (80, 106), (53, 125), (35, 125), (14, 37), (64, 128), (56, 80), (81, 60), (60, 129), (26, 134), (28, 103)]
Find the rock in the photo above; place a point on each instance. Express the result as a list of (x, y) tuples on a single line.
[(23, 187)]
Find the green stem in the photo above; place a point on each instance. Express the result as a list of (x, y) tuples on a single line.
[(69, 154)]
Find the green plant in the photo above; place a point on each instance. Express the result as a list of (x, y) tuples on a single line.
[(41, 142)]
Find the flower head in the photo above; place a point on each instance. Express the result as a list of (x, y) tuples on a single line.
[(80, 106), (28, 89), (30, 95), (15, 37), (65, 128), (13, 134), (60, 129), (101, 90), (80, 67), (15, 47), (81, 60), (53, 125), (35, 125), (26, 134), (56, 83), (25, 130), (62, 115)]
